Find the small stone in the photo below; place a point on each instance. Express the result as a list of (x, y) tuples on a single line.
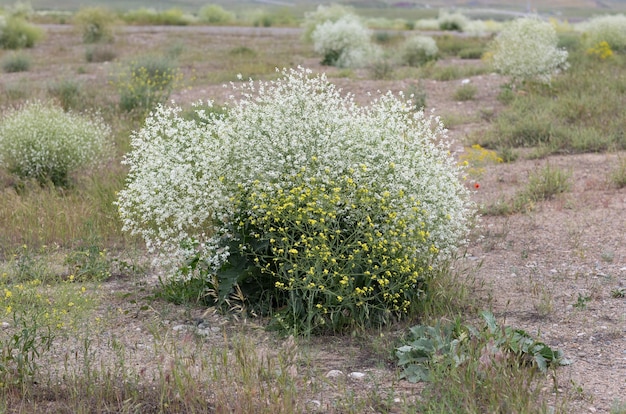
[(334, 373), (356, 375), (5, 325), (592, 409), (180, 328), (465, 81)]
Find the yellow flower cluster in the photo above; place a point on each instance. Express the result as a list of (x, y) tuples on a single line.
[(341, 247), (601, 51)]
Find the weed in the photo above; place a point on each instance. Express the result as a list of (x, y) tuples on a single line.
[(618, 293), (15, 62), (100, 53), (581, 302), (17, 33), (618, 176), (95, 24), (465, 92), (547, 182), (67, 92)]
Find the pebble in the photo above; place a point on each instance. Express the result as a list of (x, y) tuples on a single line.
[(334, 373), (5, 325), (356, 375), (180, 328), (314, 403)]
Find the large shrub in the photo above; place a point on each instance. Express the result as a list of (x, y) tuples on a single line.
[(610, 29), (417, 50), (452, 21), (17, 33), (332, 214), (345, 43), (41, 141), (527, 49)]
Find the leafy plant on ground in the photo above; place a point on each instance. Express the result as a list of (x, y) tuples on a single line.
[(15, 62), (448, 344), (215, 14), (304, 216), (71, 141), (100, 53), (67, 92)]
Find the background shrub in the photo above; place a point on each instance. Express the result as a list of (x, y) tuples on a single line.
[(215, 14), (146, 82), (95, 24), (417, 50), (328, 215), (15, 62), (67, 92), (610, 29), (321, 15), (345, 43), (172, 17), (41, 141), (17, 33), (452, 21), (527, 49)]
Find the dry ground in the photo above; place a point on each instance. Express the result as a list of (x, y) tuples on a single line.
[(532, 268)]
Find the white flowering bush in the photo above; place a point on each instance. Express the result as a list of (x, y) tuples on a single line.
[(323, 14), (333, 214), (417, 50), (345, 43), (526, 49), (452, 21), (610, 29), (41, 141)]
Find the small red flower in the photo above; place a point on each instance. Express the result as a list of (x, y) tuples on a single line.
[(476, 186)]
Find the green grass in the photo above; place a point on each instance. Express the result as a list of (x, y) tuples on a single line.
[(581, 111)]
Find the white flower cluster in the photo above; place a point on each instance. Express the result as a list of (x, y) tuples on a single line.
[(527, 49), (186, 178), (345, 43), (610, 29), (41, 141), (417, 50)]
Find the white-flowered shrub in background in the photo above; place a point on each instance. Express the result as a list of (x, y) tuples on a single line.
[(610, 29), (417, 50), (345, 43), (323, 14), (336, 214), (41, 141), (452, 21), (526, 49)]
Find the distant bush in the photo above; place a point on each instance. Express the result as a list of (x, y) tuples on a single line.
[(465, 92), (472, 53), (146, 82), (264, 18), (95, 24), (610, 29), (15, 62), (170, 17), (321, 15), (452, 21), (417, 50), (345, 43), (215, 14), (526, 49), (427, 24), (17, 33), (42, 142)]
